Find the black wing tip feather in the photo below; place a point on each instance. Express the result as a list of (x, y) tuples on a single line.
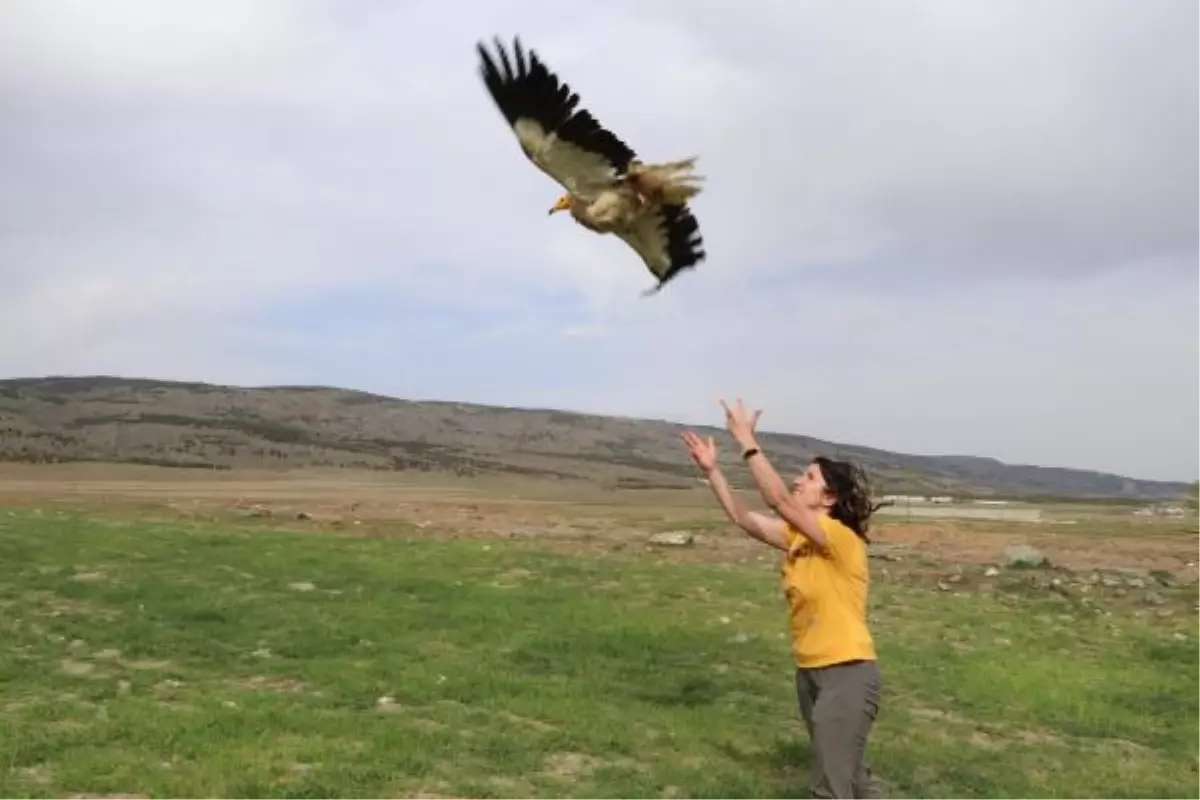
[(530, 89), (685, 245)]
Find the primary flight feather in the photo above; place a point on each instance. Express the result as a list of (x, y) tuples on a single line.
[(608, 190)]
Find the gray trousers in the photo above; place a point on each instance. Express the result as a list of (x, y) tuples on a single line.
[(839, 704)]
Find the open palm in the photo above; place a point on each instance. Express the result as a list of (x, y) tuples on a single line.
[(702, 451)]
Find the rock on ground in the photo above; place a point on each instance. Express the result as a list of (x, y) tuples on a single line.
[(1022, 555)]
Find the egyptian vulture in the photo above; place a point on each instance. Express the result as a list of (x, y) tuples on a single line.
[(608, 190)]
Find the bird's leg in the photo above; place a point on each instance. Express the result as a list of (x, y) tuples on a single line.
[(634, 182)]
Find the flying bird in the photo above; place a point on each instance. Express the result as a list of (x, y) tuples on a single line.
[(608, 189)]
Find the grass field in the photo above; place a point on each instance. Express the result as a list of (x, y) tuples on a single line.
[(162, 654)]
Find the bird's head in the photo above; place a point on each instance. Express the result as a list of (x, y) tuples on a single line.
[(561, 204)]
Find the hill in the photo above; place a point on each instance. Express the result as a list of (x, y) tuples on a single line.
[(226, 427)]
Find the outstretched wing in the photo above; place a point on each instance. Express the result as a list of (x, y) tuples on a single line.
[(668, 239), (568, 145)]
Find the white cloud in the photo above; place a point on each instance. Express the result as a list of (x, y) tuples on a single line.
[(909, 214), (124, 45)]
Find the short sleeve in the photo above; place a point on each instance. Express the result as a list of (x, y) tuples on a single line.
[(843, 543), (790, 536)]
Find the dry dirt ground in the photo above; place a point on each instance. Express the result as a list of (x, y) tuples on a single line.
[(576, 516)]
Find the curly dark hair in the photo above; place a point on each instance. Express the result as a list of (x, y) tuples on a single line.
[(851, 490)]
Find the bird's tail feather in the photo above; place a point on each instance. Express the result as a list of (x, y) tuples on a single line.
[(672, 183)]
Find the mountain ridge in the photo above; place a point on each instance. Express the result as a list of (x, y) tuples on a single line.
[(199, 424)]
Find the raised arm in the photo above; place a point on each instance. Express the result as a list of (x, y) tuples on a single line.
[(772, 488), (762, 527)]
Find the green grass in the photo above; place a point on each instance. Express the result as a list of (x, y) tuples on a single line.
[(192, 659)]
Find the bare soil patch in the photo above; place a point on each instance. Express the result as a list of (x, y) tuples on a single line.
[(579, 517)]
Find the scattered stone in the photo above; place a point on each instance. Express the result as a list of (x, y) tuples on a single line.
[(387, 703), (303, 515), (1023, 556), (1155, 599), (1136, 583), (943, 586), (886, 552), (740, 638), (302, 586), (1179, 637), (672, 539), (258, 511), (991, 572), (124, 687)]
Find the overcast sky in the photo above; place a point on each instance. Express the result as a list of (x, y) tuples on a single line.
[(933, 226)]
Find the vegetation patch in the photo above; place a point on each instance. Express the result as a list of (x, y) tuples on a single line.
[(178, 658)]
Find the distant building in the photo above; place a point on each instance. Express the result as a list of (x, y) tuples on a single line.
[(1161, 511), (905, 499)]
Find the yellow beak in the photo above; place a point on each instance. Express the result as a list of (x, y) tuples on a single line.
[(562, 204)]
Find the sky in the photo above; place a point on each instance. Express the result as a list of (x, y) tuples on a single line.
[(933, 227)]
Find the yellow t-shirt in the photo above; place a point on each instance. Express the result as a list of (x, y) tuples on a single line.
[(827, 596)]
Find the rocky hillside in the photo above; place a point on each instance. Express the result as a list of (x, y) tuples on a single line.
[(203, 425)]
